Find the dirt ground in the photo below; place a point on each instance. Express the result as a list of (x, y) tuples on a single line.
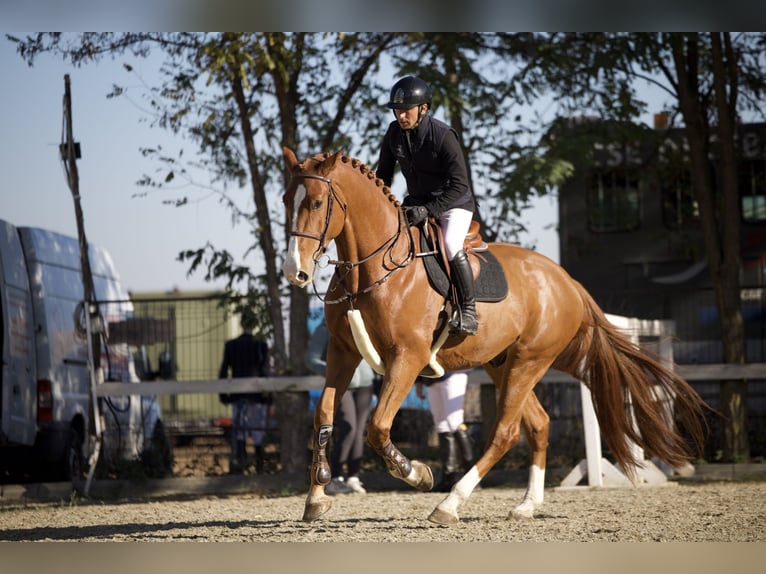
[(679, 512)]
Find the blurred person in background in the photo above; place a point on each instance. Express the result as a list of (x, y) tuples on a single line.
[(446, 398), (246, 356)]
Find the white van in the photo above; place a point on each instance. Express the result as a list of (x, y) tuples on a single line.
[(45, 412)]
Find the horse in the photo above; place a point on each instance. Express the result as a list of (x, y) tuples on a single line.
[(379, 306)]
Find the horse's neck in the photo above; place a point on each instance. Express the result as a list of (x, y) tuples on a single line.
[(363, 236), (372, 222)]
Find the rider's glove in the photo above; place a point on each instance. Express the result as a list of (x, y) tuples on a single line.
[(416, 214)]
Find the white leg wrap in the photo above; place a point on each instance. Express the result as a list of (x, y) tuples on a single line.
[(534, 495), (460, 492), (536, 487)]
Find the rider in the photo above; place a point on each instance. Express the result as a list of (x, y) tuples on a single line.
[(432, 162)]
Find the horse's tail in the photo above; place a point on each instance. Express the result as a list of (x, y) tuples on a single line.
[(628, 385)]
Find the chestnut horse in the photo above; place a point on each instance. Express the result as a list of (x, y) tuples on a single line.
[(380, 307)]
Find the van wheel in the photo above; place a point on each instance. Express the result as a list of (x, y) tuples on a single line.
[(158, 456), (74, 462)]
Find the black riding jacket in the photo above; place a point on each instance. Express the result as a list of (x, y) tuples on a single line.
[(432, 163)]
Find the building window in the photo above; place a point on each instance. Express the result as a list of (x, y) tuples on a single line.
[(752, 190), (614, 201), (679, 208)]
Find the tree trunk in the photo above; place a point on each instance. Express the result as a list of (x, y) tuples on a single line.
[(265, 236), (719, 216), (733, 393), (456, 122), (292, 410)]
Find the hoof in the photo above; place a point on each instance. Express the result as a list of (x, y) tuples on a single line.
[(522, 513), (439, 516), (426, 481), (314, 510)]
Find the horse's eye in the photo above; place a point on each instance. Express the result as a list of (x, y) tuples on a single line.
[(316, 204)]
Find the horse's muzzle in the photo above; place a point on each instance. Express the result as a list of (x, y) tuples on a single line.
[(295, 273)]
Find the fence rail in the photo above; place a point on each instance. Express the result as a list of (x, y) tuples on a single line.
[(178, 343), (711, 372)]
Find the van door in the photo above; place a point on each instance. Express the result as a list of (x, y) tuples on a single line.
[(18, 393)]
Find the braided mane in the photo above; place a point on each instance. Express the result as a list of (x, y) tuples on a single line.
[(363, 168)]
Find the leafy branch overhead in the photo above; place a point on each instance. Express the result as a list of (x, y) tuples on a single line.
[(236, 98)]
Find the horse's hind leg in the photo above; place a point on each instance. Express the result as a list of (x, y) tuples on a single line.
[(536, 424), (515, 381)]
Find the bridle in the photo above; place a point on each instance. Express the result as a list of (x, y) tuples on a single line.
[(348, 266), (331, 198)]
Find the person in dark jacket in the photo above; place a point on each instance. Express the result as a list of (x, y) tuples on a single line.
[(246, 356), (432, 162)]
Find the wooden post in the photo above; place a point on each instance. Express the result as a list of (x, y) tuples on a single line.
[(94, 324)]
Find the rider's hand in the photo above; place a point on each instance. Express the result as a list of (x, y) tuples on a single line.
[(416, 214)]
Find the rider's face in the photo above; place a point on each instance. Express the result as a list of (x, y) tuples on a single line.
[(407, 118)]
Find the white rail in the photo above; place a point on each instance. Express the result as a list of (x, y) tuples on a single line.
[(710, 372)]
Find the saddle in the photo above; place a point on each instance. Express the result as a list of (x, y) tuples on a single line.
[(490, 284)]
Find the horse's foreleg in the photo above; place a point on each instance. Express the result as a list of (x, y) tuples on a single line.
[(317, 502), (536, 424), (414, 473)]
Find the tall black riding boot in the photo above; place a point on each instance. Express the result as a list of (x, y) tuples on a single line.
[(450, 462), (465, 323), (239, 453), (259, 459), (465, 446)]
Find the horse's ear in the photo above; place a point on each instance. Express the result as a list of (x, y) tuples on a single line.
[(290, 160), (329, 164)]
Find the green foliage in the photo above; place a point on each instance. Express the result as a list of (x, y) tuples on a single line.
[(236, 98)]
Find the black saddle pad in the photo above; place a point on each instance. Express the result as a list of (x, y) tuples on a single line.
[(490, 286)]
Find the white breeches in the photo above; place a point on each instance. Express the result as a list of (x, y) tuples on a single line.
[(455, 224), (446, 399)]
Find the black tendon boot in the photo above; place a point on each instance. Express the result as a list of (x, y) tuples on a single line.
[(465, 446), (448, 451), (465, 323)]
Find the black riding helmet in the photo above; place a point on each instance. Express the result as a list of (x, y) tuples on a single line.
[(408, 92)]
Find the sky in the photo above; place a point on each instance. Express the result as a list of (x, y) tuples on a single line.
[(143, 236)]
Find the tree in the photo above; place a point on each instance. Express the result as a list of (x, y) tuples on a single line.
[(473, 78), (217, 88), (239, 97), (711, 78)]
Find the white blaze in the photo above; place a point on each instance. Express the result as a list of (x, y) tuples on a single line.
[(292, 264)]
